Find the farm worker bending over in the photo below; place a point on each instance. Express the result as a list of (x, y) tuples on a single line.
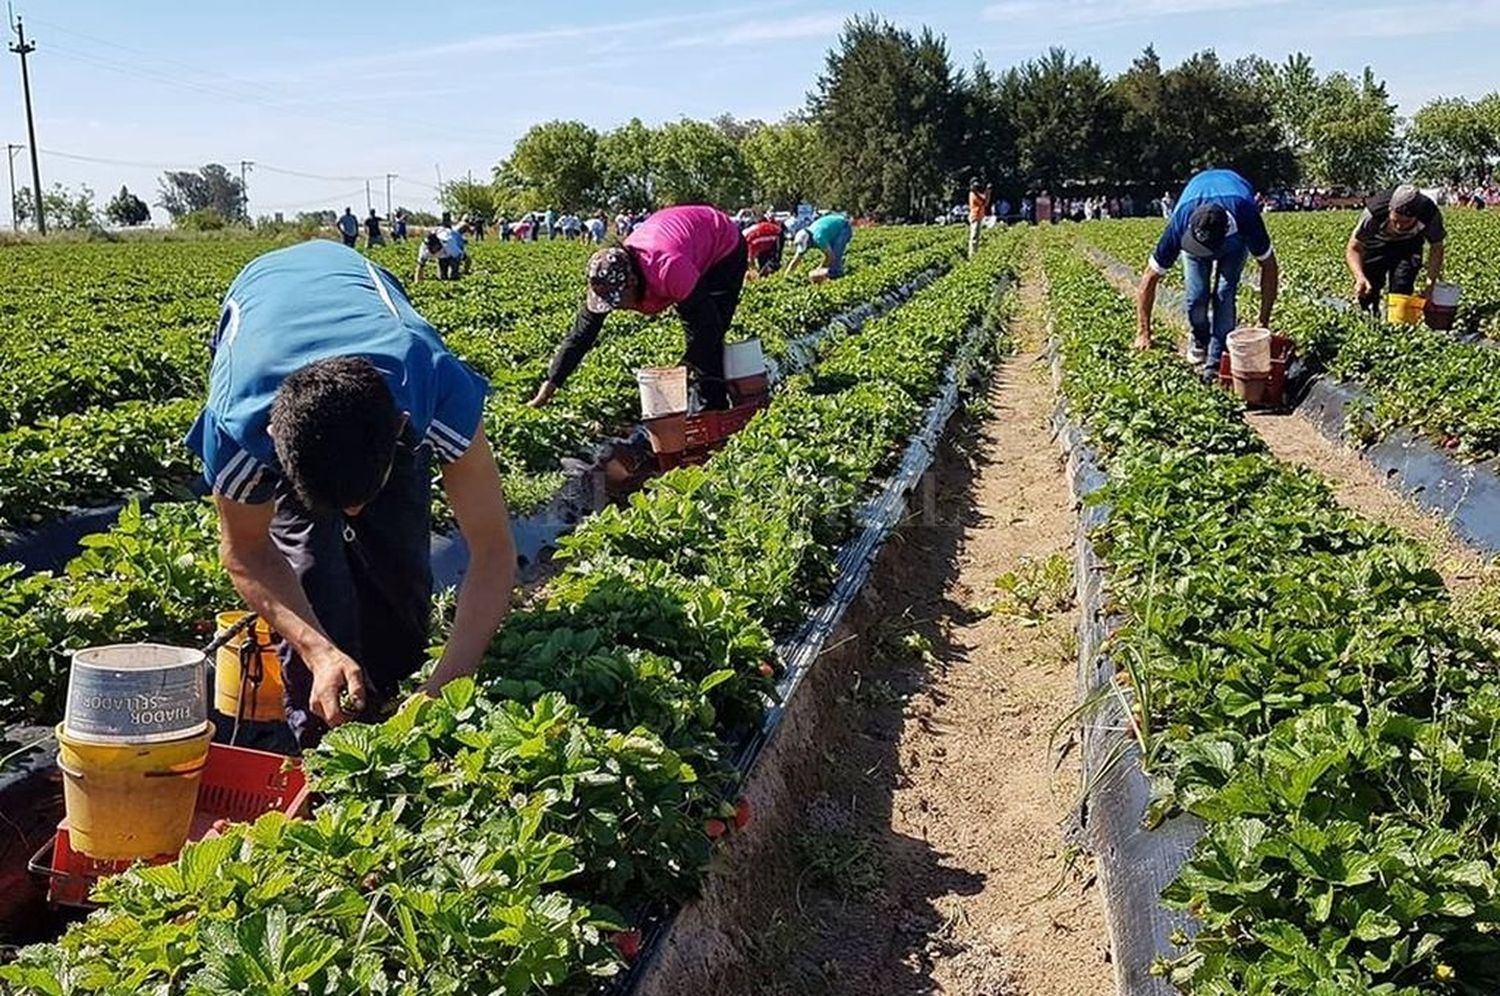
[(1387, 242), (830, 233), (979, 206), (1216, 224), (446, 245), (763, 241), (328, 399), (692, 257)]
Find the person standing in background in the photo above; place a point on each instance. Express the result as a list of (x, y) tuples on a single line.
[(979, 206), (348, 227)]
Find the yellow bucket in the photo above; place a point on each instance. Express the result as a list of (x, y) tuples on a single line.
[(264, 705), (1404, 309), (131, 801)]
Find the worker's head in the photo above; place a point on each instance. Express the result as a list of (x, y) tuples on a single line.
[(613, 281), (976, 185), (1406, 201), (433, 243), (334, 425), (1207, 229), (802, 240), (348, 210)]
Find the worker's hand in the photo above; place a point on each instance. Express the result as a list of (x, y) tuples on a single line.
[(1143, 339), (543, 394), (338, 688), (1362, 287)]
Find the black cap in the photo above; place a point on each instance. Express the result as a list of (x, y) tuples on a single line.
[(1206, 231)]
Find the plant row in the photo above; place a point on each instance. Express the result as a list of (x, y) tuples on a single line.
[(102, 454), (1416, 378), (1298, 683), (501, 838), (103, 597)]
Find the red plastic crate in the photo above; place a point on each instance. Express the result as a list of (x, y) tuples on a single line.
[(709, 430), (238, 784)]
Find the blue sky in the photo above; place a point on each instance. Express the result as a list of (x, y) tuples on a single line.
[(344, 92)]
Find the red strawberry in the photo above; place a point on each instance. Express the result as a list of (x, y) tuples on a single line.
[(741, 814), (714, 828), (627, 942), (767, 670)]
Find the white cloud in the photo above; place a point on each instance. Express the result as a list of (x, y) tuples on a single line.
[(764, 30)]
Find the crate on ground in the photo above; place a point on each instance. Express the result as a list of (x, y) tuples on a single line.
[(707, 431), (239, 784)]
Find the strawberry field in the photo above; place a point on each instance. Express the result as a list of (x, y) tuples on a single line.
[(1285, 678)]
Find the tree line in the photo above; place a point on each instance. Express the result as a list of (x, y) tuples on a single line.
[(894, 129)]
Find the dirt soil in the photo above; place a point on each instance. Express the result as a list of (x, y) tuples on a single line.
[(931, 855)]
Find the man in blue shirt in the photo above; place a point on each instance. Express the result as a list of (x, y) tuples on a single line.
[(328, 396), (1215, 225)]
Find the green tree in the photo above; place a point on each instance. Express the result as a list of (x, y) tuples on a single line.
[(1066, 120), (469, 197), (1342, 131), (212, 186), (1455, 141), (785, 160), (127, 209), (555, 164), (1214, 115), (988, 148), (65, 209), (888, 106), (696, 163), (626, 168)]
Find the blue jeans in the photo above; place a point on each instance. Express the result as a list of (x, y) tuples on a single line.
[(1199, 275)]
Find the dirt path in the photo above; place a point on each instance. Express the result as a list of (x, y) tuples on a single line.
[(934, 861)]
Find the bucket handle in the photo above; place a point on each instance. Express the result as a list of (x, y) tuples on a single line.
[(181, 771)]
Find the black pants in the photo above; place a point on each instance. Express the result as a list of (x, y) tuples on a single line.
[(369, 580), (707, 314), (350, 240), (448, 267), (1398, 261)]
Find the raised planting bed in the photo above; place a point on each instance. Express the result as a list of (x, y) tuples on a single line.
[(1291, 676)]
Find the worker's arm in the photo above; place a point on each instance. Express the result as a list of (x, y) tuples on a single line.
[(1270, 286), (1145, 304), (265, 580), (1354, 256), (1434, 266), (796, 258), (472, 483), (580, 339)]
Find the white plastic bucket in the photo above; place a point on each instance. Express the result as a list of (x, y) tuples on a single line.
[(664, 390), (136, 693), (744, 359), (1249, 351), (1446, 295)]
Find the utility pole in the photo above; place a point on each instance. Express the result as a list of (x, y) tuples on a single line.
[(10, 157), (388, 178), (369, 204), (246, 164), (21, 48)]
